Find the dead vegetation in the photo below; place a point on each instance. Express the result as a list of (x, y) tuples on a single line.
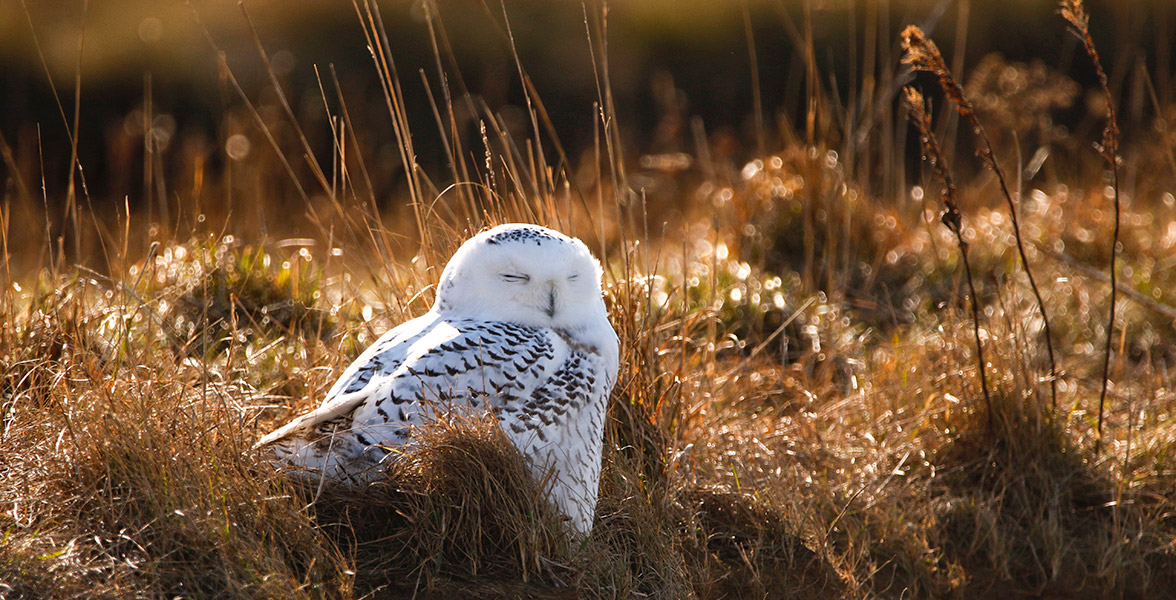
[(803, 410)]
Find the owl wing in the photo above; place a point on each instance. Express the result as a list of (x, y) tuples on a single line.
[(347, 394), (411, 373), (547, 391), (459, 366), (383, 356)]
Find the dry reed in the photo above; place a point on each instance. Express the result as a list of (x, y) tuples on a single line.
[(953, 220), (1075, 14), (923, 55)]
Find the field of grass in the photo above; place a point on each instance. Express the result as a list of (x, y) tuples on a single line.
[(800, 412)]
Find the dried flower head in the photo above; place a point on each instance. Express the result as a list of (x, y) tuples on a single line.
[(923, 55), (1075, 14), (921, 119)]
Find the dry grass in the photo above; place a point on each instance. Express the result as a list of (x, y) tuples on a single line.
[(800, 411)]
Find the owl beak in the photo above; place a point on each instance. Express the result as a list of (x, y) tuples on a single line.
[(550, 308)]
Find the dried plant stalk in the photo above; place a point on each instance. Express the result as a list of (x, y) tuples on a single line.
[(951, 217), (1075, 14), (923, 55)]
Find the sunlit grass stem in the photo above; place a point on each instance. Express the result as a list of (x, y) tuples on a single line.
[(953, 220), (923, 55), (1075, 14)]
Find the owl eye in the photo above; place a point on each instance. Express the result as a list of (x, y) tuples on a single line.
[(514, 278), (574, 277)]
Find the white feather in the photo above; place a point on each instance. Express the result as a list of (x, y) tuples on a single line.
[(520, 327)]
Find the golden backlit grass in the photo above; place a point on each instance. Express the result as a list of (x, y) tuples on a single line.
[(798, 413)]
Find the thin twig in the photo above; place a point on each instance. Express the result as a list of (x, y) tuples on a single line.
[(223, 63)]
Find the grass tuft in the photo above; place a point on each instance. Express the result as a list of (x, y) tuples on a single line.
[(459, 509), (224, 292)]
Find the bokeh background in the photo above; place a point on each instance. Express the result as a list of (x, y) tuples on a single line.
[(681, 74)]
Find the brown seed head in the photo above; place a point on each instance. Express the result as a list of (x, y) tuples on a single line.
[(1073, 12), (923, 55), (915, 103), (921, 119)]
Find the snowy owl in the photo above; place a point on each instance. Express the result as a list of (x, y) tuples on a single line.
[(519, 327)]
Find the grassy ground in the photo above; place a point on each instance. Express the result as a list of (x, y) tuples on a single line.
[(799, 411)]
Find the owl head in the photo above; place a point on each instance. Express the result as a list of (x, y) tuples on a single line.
[(525, 274)]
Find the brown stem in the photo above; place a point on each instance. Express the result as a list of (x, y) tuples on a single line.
[(1075, 14), (953, 220), (923, 55)]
